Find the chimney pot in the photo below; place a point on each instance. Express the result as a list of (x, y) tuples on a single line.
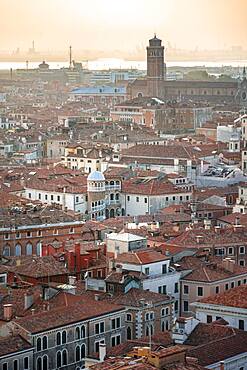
[(7, 311)]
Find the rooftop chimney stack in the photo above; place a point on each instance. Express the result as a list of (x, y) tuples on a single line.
[(7, 311)]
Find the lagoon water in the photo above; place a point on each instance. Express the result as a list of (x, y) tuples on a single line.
[(110, 63)]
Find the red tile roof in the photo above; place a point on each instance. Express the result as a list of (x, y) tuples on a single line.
[(37, 267), (10, 345), (150, 186), (235, 297), (62, 316), (208, 238), (213, 343), (141, 257), (135, 296), (212, 269)]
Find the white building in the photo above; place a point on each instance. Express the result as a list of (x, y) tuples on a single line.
[(230, 306), (118, 243), (158, 275)]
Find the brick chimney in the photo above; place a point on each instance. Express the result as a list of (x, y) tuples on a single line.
[(78, 256), (7, 311), (71, 261), (228, 264)]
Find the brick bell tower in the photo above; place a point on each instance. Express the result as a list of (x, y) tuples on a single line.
[(155, 68)]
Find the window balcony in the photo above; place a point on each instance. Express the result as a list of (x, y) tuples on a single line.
[(95, 189), (100, 207), (112, 202), (113, 187)]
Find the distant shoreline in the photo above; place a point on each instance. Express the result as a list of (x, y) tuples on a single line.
[(114, 63)]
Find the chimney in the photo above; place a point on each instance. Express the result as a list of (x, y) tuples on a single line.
[(222, 365), (238, 228), (237, 220), (28, 300), (199, 239), (7, 311), (78, 256), (72, 280), (102, 352), (119, 268), (97, 297), (71, 261), (217, 229), (33, 311), (228, 264)]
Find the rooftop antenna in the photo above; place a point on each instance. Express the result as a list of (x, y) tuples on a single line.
[(70, 57), (244, 73)]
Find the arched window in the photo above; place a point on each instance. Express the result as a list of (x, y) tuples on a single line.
[(16, 364), (83, 331), (163, 326), (64, 337), (167, 325), (45, 342), (77, 354), (83, 351), (58, 338), (38, 249), (64, 357), (117, 196), (128, 317), (39, 364), (163, 312), (18, 250), (59, 359), (112, 183), (77, 333), (38, 344), (129, 334), (29, 249), (6, 251), (45, 362)]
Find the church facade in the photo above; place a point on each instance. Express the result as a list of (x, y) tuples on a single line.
[(156, 85)]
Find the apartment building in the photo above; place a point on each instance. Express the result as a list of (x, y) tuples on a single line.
[(64, 336), (154, 270), (229, 306), (202, 278)]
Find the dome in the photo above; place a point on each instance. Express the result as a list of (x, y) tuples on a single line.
[(96, 176), (43, 65)]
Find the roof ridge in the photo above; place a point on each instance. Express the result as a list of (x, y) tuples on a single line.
[(205, 272), (218, 339), (138, 258)]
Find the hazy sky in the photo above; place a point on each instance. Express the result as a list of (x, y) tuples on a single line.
[(121, 24)]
